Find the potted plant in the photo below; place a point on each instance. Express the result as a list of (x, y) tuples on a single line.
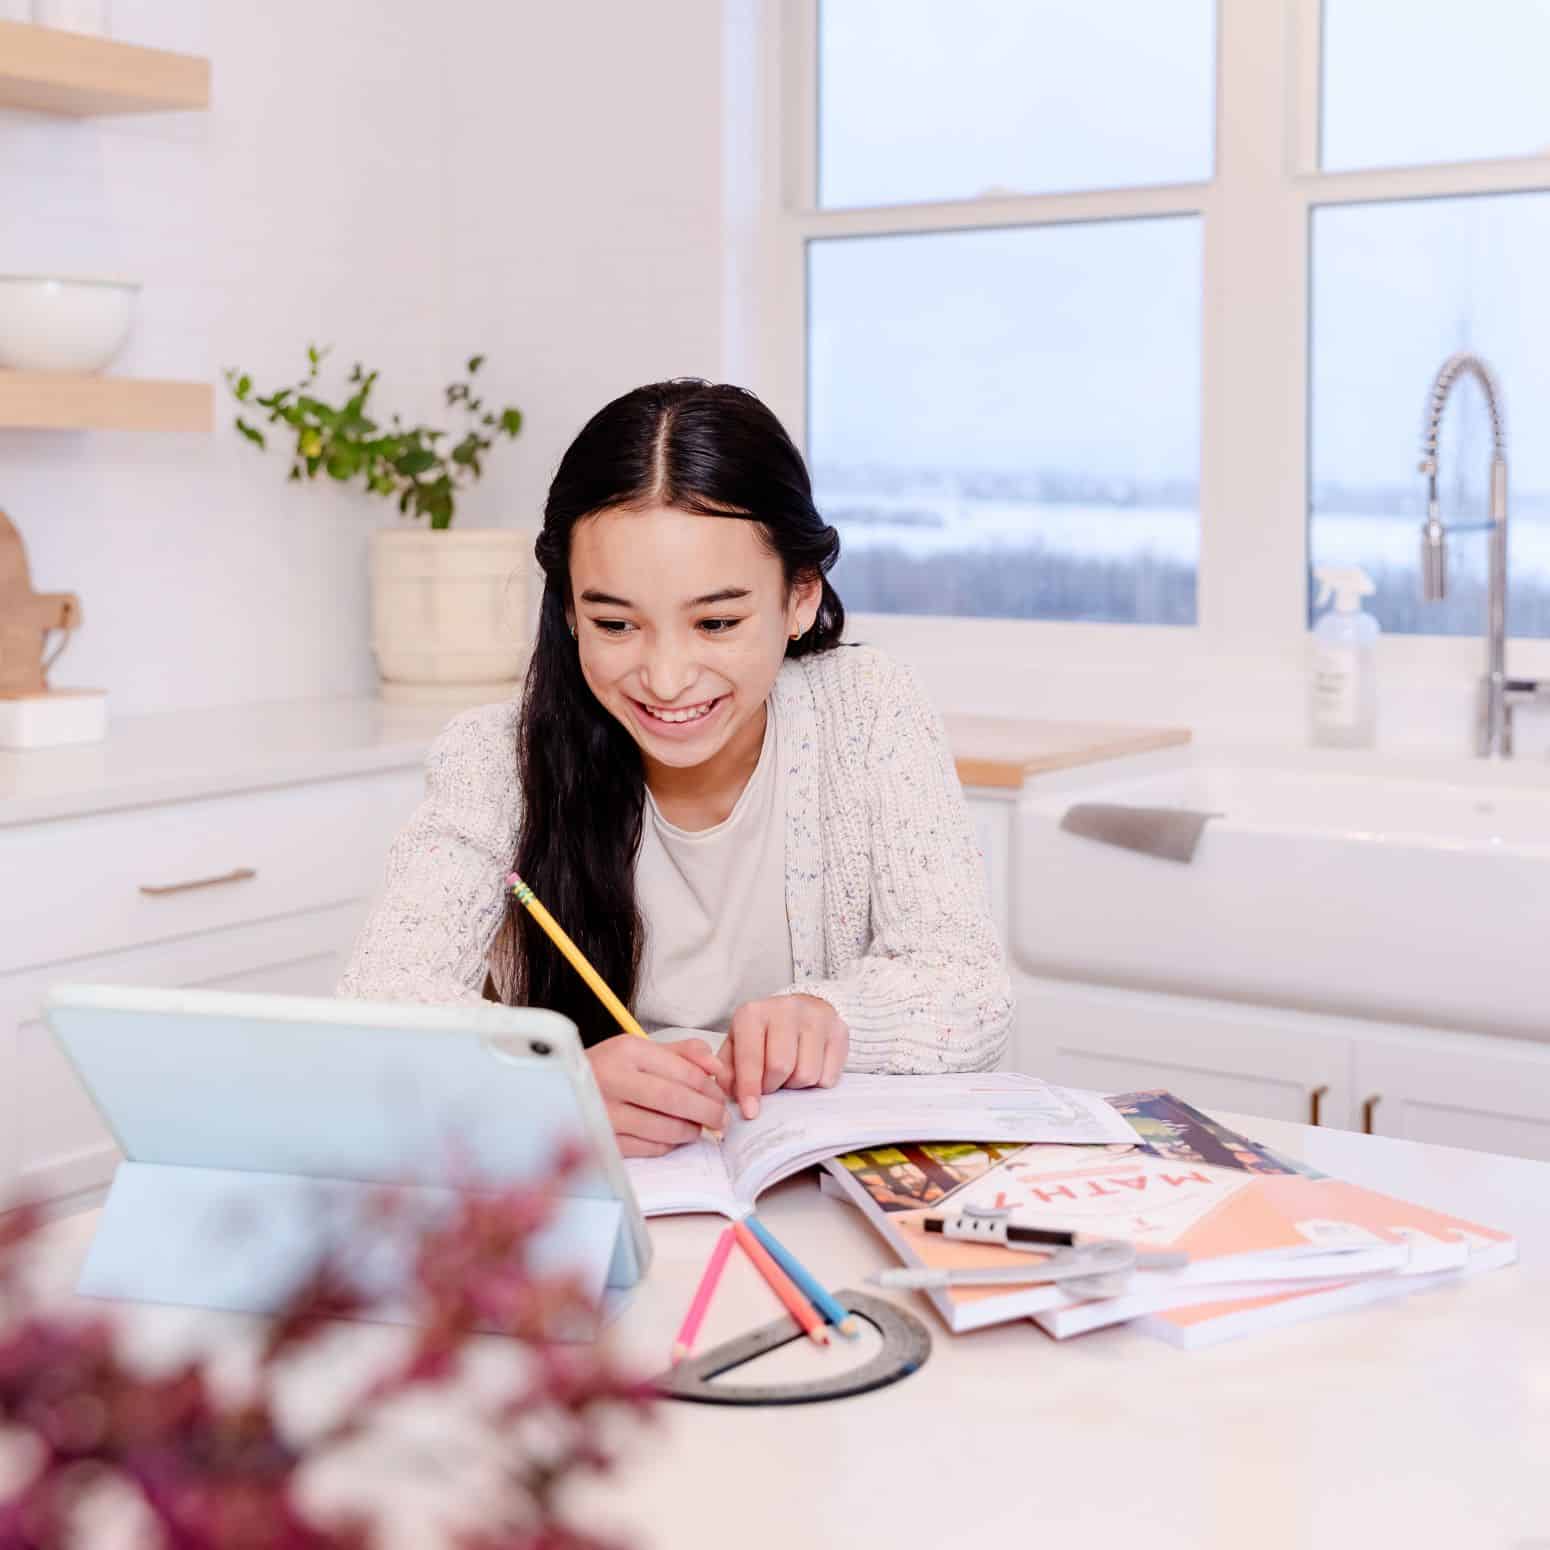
[(448, 608)]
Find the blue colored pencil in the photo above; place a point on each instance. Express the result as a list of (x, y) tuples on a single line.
[(812, 1289)]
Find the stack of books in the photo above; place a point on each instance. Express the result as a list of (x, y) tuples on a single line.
[(1265, 1241)]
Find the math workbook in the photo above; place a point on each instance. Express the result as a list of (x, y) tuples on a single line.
[(1268, 1239)]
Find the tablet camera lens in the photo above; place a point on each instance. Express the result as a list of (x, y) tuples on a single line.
[(538, 1047)]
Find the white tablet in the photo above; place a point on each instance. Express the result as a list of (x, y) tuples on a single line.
[(246, 1121)]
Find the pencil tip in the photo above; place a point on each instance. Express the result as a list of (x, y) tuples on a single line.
[(680, 1350), (848, 1327)]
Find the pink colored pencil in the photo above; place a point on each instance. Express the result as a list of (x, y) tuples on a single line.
[(703, 1293)]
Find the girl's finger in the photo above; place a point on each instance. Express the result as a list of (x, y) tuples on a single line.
[(681, 1101), (646, 1124), (811, 1044), (780, 1047), (747, 1037), (633, 1146), (671, 1063), (703, 1056), (835, 1053)]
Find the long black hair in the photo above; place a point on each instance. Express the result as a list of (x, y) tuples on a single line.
[(702, 447)]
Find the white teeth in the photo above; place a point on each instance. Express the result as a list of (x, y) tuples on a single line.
[(675, 716)]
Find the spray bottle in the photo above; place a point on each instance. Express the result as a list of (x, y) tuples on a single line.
[(1343, 681)]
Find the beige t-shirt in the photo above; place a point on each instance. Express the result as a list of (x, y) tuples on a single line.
[(714, 904)]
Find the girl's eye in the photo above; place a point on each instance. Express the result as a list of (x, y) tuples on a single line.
[(719, 626), (612, 626)]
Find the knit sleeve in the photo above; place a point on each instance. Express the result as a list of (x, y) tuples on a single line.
[(931, 992), (428, 936)]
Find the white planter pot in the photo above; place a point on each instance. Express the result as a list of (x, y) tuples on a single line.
[(449, 613)]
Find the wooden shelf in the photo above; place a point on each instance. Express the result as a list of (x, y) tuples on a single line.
[(58, 401), (51, 71)]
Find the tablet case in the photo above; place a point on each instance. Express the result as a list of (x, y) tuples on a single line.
[(259, 1131)]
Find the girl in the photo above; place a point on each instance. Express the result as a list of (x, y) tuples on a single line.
[(743, 824)]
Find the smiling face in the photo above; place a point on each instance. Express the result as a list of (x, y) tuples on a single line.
[(681, 624)]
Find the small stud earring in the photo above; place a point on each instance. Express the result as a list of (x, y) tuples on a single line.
[(573, 632)]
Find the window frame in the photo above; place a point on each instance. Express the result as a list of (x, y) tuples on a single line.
[(1246, 651)]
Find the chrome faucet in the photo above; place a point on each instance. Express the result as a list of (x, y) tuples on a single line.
[(1499, 693)]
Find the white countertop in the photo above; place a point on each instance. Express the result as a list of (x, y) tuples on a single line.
[(184, 755), (1420, 1423), (187, 754)]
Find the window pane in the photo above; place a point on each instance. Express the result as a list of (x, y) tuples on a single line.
[(1007, 423), (924, 100), (1396, 289), (1411, 81)]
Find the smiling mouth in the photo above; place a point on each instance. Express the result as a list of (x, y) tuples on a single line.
[(679, 715)]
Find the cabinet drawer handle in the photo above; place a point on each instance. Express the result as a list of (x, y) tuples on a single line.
[(1367, 1109), (237, 875), (1316, 1103)]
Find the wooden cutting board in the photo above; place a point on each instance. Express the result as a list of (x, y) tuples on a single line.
[(27, 618)]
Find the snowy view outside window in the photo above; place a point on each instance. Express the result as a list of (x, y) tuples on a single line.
[(1007, 422)]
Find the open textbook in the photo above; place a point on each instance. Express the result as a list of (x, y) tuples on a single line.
[(796, 1129), (1270, 1241)]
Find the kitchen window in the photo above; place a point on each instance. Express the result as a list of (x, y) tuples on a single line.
[(1125, 313)]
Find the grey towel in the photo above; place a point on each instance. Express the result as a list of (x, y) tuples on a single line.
[(1169, 832)]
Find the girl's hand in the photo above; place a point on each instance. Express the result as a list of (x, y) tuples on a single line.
[(784, 1041), (659, 1095)]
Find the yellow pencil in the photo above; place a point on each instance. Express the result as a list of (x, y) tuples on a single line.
[(578, 962)]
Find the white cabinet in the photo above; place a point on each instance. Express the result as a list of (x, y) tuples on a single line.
[(1422, 1084), (1212, 1054), (54, 1144), (257, 890), (1456, 1090), (102, 882)]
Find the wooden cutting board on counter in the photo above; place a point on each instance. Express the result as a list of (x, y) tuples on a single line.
[(1002, 752)]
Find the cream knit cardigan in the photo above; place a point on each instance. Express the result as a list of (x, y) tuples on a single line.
[(885, 891)]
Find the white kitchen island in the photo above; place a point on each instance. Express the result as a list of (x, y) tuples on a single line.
[(1423, 1422)]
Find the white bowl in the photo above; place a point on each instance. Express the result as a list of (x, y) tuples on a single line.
[(49, 323)]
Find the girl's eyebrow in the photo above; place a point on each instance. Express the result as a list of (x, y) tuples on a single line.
[(724, 595)]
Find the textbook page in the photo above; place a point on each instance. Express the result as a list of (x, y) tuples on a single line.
[(798, 1127), (692, 1177)]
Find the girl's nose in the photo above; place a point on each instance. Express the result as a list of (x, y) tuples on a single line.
[(666, 673)]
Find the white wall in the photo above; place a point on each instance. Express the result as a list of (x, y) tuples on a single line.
[(584, 243), (411, 183)]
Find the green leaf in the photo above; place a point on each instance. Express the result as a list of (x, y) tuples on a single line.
[(253, 434), (415, 462), (511, 421), (343, 461), (474, 363)]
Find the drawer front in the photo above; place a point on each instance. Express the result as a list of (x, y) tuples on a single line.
[(110, 881), (53, 1143)]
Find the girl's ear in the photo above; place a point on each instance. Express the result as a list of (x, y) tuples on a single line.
[(805, 598)]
